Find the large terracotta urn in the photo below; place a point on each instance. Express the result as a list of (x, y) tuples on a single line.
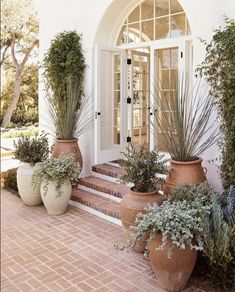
[(174, 272), (181, 173), (67, 147), (134, 202)]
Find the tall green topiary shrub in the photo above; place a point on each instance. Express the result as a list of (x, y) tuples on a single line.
[(64, 60), (219, 70), (64, 66)]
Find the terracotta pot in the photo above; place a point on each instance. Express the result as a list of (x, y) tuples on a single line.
[(67, 147), (182, 173), (132, 204), (174, 272), (29, 194)]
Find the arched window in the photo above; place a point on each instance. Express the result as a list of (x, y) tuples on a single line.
[(154, 20)]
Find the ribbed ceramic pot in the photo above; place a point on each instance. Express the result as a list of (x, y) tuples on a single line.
[(55, 201), (67, 147), (29, 194), (180, 173), (174, 272)]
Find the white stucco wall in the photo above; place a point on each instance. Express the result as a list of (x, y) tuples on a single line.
[(99, 22)]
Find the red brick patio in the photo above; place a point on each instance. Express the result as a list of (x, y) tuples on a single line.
[(72, 252)]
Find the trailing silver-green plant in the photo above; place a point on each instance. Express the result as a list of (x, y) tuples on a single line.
[(58, 169), (141, 167), (202, 192), (219, 238), (31, 149), (185, 120), (178, 221)]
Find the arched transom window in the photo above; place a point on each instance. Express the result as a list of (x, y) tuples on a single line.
[(154, 20)]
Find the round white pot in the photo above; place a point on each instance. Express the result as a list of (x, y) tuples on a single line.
[(56, 203), (30, 196)]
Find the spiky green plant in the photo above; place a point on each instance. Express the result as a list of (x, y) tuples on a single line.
[(185, 120), (71, 116)]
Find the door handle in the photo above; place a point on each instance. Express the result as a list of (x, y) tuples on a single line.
[(97, 114)]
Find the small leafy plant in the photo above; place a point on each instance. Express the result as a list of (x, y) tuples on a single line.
[(32, 150), (177, 221), (141, 167), (10, 181), (59, 169)]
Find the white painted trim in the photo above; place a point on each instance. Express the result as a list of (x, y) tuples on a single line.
[(104, 176), (96, 213), (113, 164), (98, 193)]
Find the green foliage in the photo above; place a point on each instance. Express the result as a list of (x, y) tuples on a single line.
[(141, 168), (219, 239), (179, 221), (27, 107), (189, 128), (31, 150), (10, 182), (18, 133), (219, 70), (58, 169), (64, 66)]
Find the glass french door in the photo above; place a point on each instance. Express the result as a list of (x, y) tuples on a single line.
[(167, 68), (110, 111)]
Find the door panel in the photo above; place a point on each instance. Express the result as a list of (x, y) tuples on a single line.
[(109, 110)]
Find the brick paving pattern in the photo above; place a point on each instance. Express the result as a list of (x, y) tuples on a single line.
[(72, 252)]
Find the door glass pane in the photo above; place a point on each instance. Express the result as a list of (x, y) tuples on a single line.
[(140, 111), (134, 32), (175, 6), (147, 30), (147, 9), (178, 25), (166, 84), (135, 15), (110, 103), (162, 27), (162, 7)]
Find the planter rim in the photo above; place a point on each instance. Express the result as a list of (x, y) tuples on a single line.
[(143, 193), (67, 141), (197, 161)]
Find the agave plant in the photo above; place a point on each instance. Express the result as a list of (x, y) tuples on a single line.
[(185, 120)]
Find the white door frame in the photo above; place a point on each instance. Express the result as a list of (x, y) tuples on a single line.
[(113, 153)]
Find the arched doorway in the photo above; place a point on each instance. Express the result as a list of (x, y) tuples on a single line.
[(152, 46)]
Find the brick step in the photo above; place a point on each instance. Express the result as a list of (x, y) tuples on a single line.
[(103, 186), (102, 207), (109, 170)]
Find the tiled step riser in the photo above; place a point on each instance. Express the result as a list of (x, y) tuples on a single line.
[(103, 176), (100, 194), (95, 212)]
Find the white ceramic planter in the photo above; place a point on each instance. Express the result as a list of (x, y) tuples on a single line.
[(56, 204), (30, 196)]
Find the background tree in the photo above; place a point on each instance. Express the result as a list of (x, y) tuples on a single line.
[(219, 70), (19, 42)]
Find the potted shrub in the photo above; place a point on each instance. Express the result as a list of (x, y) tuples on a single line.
[(186, 132), (140, 169), (30, 151), (174, 235), (70, 111), (55, 176)]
